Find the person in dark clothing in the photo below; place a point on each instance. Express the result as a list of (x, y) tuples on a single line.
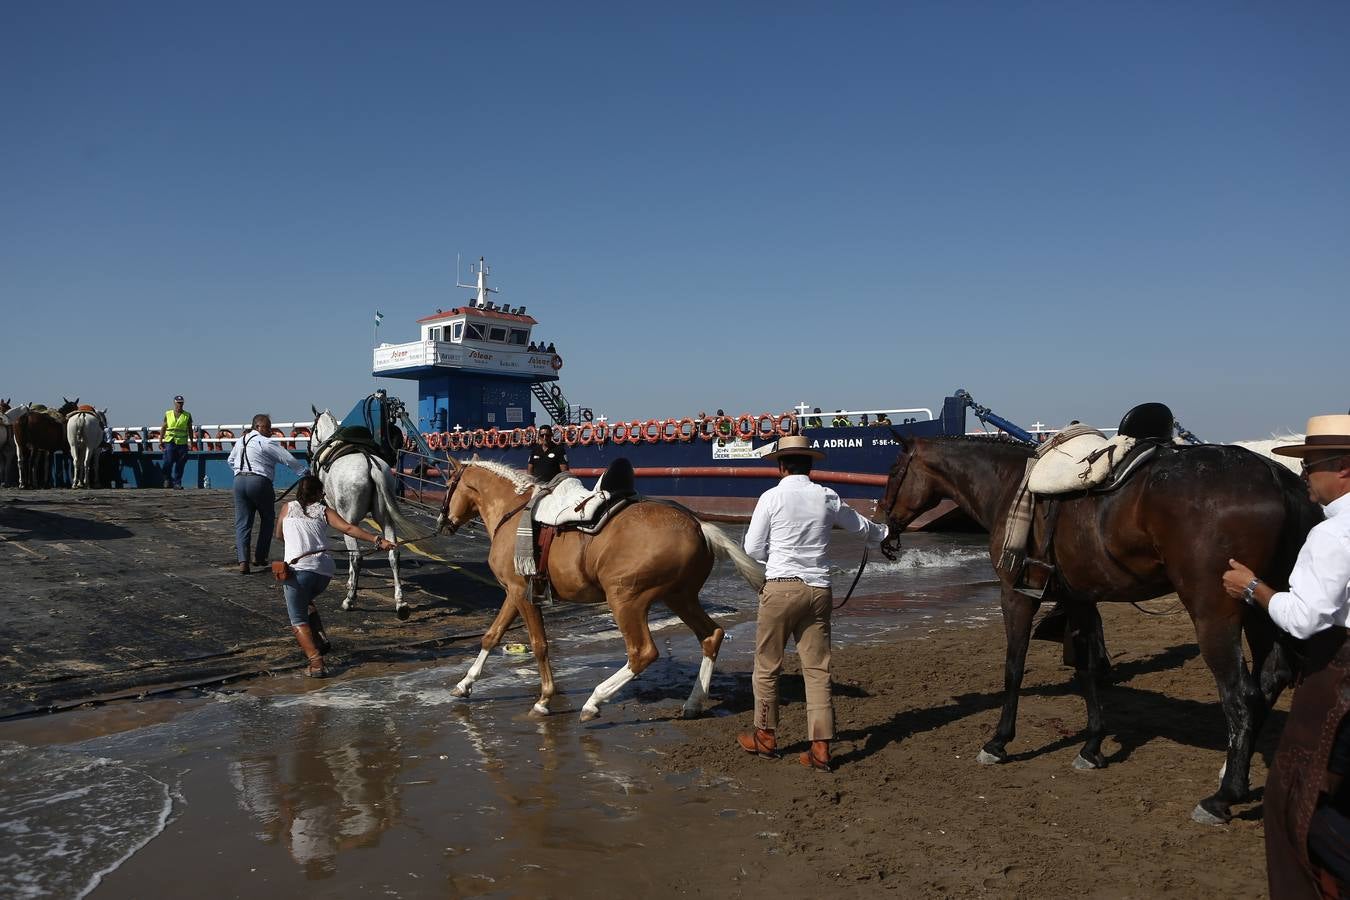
[(547, 459)]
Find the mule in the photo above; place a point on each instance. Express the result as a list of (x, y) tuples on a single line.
[(37, 435), (360, 485), (1172, 527), (84, 434), (648, 551)]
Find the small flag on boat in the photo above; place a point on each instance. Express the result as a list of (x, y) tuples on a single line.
[(378, 316)]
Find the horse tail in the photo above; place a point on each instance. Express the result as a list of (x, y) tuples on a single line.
[(403, 525), (724, 547)]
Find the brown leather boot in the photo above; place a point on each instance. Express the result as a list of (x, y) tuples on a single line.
[(818, 757), (762, 742), (304, 636), (316, 626), (243, 568)]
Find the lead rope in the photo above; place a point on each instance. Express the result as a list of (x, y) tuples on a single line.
[(861, 565)]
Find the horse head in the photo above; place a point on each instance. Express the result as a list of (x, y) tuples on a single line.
[(68, 406), (4, 405), (459, 505), (325, 425)]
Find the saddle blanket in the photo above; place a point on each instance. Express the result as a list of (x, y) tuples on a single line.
[(1078, 463), (569, 501)]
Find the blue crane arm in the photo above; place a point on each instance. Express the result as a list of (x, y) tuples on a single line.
[(985, 414)]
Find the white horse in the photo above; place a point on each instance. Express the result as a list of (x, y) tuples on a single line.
[(84, 433), (1264, 447), (360, 485), (9, 451)]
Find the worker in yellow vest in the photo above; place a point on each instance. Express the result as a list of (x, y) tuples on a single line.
[(176, 439)]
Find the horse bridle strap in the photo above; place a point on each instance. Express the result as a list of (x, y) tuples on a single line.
[(862, 564), (451, 527)]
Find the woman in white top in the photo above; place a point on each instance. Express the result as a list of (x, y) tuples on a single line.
[(303, 524)]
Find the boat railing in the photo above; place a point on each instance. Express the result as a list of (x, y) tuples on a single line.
[(852, 414), (293, 435)]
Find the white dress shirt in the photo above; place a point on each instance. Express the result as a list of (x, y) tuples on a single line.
[(260, 455), (790, 529), (1319, 587)]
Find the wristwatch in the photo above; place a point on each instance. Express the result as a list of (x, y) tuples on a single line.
[(1249, 595)]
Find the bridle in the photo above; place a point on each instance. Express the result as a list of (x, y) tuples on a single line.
[(893, 485), (448, 525)]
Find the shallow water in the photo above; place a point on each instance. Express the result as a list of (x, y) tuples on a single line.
[(383, 783)]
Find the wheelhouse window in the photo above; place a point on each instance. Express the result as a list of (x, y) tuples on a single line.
[(519, 336), (457, 332), (435, 334), (497, 333), (475, 331)]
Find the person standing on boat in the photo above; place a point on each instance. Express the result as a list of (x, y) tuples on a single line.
[(790, 532), (841, 420), (254, 460), (1307, 799), (303, 526), (883, 420), (175, 436), (547, 459), (814, 421)]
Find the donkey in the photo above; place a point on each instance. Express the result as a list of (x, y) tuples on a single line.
[(648, 551), (1172, 527), (358, 485)]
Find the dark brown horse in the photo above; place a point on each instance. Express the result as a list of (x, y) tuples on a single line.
[(1172, 527), (37, 435)]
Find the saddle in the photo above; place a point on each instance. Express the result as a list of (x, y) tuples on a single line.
[(564, 504), (1076, 462), (345, 441)]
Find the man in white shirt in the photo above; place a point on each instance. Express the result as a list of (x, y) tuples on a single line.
[(790, 533), (1307, 797), (254, 460)]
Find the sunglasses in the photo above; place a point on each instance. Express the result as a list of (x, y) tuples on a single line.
[(1314, 466)]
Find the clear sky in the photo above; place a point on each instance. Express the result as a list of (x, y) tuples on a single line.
[(1065, 208)]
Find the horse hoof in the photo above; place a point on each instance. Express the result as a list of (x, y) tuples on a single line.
[(346, 605), (539, 709), (985, 758), (691, 712), (460, 690), (1083, 764), (1223, 770), (1205, 817), (403, 612), (589, 714)]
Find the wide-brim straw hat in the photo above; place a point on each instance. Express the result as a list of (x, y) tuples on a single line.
[(1324, 433), (794, 445)]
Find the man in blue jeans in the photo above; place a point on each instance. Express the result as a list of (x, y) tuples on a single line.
[(254, 460), (175, 437)]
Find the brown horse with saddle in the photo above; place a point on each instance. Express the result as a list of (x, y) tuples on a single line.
[(1171, 525), (607, 546), (39, 432)]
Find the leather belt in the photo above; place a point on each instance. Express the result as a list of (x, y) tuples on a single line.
[(788, 578)]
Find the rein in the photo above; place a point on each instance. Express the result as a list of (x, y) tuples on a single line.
[(861, 565)]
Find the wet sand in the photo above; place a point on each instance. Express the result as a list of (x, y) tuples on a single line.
[(909, 809), (380, 783)]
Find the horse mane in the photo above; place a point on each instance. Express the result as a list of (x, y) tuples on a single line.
[(519, 479), (994, 440)]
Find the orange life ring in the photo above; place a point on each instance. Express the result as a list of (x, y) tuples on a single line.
[(586, 434), (496, 439), (746, 425), (670, 431), (569, 434), (557, 362), (705, 429), (478, 437), (618, 432), (785, 424), (764, 425), (728, 432), (651, 430), (299, 433), (601, 432), (531, 435), (513, 437), (221, 434), (453, 440), (687, 435), (433, 439)]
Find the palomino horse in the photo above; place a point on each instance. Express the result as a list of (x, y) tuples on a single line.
[(37, 435), (84, 433), (1172, 527), (6, 439), (360, 485), (647, 552)]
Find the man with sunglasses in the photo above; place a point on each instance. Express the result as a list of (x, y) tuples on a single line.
[(1307, 797)]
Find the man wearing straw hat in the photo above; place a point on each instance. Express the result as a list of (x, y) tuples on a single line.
[(790, 532), (1307, 797)]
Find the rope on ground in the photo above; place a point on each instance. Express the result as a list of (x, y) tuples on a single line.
[(1176, 608), (412, 545)]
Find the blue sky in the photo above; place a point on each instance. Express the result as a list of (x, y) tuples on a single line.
[(1065, 208)]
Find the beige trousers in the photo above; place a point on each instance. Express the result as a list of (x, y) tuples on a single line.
[(791, 608)]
